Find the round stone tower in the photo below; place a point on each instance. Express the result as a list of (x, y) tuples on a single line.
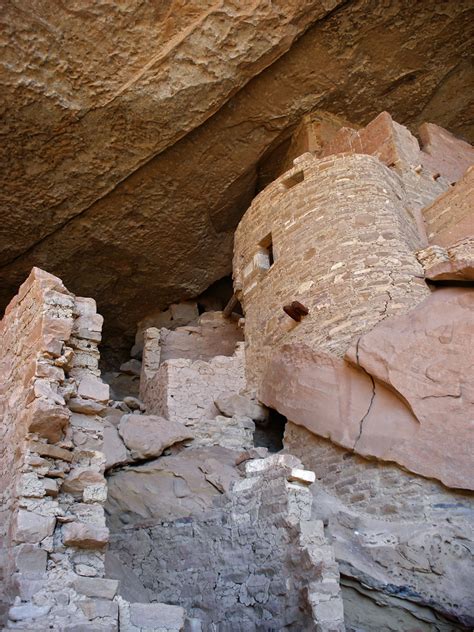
[(335, 234)]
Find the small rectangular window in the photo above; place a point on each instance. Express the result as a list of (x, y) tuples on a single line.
[(294, 179), (264, 258)]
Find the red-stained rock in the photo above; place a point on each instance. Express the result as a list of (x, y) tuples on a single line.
[(85, 536), (318, 391), (410, 401), (427, 357)]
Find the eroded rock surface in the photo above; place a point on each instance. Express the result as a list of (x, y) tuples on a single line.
[(147, 436), (406, 395), (186, 486)]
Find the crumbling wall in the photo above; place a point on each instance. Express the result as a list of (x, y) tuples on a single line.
[(342, 241), (442, 155), (256, 562), (52, 521), (185, 390)]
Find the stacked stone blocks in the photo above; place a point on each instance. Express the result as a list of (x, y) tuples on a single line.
[(53, 526)]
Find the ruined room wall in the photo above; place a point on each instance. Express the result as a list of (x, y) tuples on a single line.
[(184, 390), (451, 216), (343, 244), (53, 526), (399, 534), (442, 155), (257, 561)]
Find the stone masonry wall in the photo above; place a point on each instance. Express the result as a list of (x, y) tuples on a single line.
[(52, 522), (185, 390), (256, 562), (451, 216), (343, 237)]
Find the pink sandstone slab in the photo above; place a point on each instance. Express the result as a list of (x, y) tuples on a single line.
[(410, 401), (318, 391), (149, 435), (427, 357), (454, 263)]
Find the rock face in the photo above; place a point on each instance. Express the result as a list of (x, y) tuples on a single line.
[(186, 486), (402, 542), (404, 396), (455, 263), (449, 218), (121, 167)]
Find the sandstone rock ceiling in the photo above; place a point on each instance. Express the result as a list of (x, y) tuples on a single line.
[(133, 131)]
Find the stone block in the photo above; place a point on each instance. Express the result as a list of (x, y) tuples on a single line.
[(85, 536), (91, 387), (30, 560), (85, 406), (48, 420), (305, 477), (131, 367), (114, 448), (96, 587), (27, 588), (157, 616), (52, 451), (235, 405), (27, 611), (79, 478), (149, 435), (32, 527), (94, 608)]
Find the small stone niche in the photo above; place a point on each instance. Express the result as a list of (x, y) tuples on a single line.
[(293, 179), (265, 257)]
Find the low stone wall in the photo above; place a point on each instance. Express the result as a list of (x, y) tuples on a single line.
[(52, 522), (256, 562)]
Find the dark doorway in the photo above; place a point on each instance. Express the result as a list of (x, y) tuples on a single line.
[(269, 434)]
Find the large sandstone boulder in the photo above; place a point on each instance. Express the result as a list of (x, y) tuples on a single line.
[(404, 393), (148, 436), (170, 487)]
